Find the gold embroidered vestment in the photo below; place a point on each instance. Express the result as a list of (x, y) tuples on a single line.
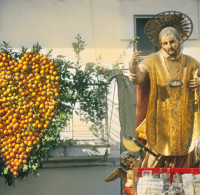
[(171, 125)]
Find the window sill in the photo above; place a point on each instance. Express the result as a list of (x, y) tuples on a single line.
[(80, 161), (80, 155)]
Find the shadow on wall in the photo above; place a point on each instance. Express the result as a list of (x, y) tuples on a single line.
[(65, 181)]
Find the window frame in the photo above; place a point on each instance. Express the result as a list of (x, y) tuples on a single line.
[(135, 17)]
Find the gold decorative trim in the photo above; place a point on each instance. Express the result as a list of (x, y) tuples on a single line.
[(181, 22)]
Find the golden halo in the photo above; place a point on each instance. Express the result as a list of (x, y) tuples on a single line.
[(181, 22)]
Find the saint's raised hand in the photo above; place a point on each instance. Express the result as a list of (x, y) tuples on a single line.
[(133, 61)]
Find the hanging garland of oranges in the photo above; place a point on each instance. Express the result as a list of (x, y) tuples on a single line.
[(37, 96), (29, 90)]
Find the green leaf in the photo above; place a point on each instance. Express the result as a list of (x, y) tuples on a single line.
[(25, 167), (5, 171)]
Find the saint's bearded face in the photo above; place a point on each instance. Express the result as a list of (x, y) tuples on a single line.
[(170, 44)]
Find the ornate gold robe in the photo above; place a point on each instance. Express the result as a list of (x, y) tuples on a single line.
[(171, 125)]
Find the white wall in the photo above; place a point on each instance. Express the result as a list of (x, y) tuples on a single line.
[(55, 23), (106, 26), (65, 181)]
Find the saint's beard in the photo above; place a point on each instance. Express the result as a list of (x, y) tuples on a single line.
[(173, 52)]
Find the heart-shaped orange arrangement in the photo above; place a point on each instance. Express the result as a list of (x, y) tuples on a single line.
[(28, 97)]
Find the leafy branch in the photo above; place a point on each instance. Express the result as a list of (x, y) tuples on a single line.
[(78, 47), (133, 42)]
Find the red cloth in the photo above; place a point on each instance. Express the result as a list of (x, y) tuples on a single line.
[(128, 190), (172, 171)]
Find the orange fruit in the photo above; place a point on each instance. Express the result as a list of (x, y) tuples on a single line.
[(29, 89)]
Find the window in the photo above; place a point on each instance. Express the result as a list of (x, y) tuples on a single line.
[(143, 45)]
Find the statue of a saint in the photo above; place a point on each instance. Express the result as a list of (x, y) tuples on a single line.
[(167, 110)]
